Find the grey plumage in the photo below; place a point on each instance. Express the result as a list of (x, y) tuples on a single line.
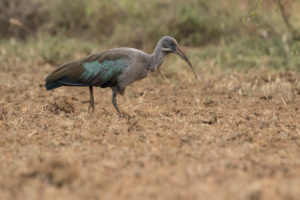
[(115, 68)]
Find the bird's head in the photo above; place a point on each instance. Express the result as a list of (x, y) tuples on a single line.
[(170, 45)]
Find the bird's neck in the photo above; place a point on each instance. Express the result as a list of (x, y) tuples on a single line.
[(157, 58)]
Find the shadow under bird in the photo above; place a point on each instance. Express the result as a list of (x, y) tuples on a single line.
[(115, 68)]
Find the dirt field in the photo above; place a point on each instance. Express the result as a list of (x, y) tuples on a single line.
[(225, 136)]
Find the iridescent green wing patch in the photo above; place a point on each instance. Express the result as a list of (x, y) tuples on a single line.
[(104, 70)]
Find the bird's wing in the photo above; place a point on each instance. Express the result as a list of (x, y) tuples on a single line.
[(100, 69)]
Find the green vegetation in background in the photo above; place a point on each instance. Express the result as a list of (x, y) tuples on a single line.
[(140, 23), (242, 55), (248, 54), (231, 34)]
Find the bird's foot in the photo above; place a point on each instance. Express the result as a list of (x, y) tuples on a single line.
[(120, 115), (91, 109), (125, 115)]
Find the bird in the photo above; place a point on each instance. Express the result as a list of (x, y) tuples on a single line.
[(115, 68)]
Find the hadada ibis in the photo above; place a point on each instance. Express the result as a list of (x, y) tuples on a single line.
[(114, 68)]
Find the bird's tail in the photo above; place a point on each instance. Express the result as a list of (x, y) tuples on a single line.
[(51, 86), (54, 79)]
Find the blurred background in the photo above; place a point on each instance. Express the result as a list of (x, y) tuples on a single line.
[(238, 34)]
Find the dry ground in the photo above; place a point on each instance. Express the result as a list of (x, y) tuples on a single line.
[(225, 136)]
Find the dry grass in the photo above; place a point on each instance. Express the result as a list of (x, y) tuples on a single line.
[(226, 136)]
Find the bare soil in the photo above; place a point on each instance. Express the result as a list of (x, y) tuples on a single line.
[(225, 136)]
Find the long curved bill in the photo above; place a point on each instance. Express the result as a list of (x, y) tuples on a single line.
[(180, 53)]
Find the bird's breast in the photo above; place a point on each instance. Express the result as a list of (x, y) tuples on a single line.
[(131, 74)]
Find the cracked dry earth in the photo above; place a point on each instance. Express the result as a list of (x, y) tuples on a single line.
[(225, 136)]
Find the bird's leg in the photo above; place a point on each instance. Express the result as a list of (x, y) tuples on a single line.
[(114, 100), (92, 104)]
